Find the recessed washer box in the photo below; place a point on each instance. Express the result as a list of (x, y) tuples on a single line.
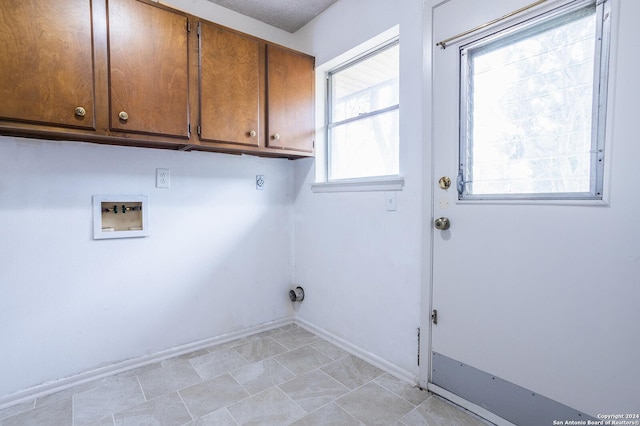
[(120, 216)]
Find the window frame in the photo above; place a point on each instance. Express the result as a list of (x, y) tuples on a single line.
[(599, 104), (329, 124)]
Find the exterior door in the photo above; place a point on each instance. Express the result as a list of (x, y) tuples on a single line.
[(534, 298)]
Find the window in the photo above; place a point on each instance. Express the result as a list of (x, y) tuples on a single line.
[(363, 116), (533, 103)]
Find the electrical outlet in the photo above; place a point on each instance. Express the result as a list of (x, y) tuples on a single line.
[(259, 181), (163, 178)]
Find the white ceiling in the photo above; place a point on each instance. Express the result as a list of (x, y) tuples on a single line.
[(288, 15)]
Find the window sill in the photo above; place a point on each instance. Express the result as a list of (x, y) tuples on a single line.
[(390, 183)]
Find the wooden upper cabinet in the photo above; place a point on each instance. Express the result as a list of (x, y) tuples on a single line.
[(290, 100), (230, 86), (148, 69), (46, 63)]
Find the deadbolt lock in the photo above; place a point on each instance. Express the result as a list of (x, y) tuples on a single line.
[(442, 223), (444, 182)]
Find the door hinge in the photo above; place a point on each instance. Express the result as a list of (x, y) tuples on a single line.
[(188, 26), (199, 130), (418, 345), (198, 30), (189, 129), (434, 317)]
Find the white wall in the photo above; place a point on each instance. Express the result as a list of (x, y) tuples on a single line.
[(359, 264), (218, 260)]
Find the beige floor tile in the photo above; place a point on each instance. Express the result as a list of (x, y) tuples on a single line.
[(209, 396), (272, 378), (175, 375), (437, 412), (295, 337), (271, 407), (262, 375), (352, 371), (329, 415), (374, 405), (413, 394), (329, 349), (258, 349), (217, 363), (303, 360), (57, 413), (167, 410), (106, 399), (220, 417), (313, 390)]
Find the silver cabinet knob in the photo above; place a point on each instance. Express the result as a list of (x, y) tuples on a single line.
[(252, 133), (276, 136), (123, 116), (80, 111)]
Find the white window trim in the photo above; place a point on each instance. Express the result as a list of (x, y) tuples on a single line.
[(385, 183), (321, 184)]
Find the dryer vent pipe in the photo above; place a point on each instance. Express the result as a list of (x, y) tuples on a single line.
[(296, 295)]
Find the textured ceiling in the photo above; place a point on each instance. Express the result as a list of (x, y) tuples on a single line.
[(288, 15)]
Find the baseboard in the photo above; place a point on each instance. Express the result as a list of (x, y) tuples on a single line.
[(372, 359), (48, 388)]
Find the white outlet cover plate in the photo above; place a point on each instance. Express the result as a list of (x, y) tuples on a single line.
[(163, 178)]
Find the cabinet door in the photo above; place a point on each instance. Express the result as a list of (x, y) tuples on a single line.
[(290, 95), (46, 62), (148, 69), (230, 86)]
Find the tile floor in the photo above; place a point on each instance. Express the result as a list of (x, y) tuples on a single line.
[(285, 376)]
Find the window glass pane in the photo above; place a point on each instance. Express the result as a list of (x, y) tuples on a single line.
[(529, 109), (367, 147), (366, 86)]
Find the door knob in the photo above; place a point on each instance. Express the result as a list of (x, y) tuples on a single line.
[(123, 116), (442, 223), (444, 182)]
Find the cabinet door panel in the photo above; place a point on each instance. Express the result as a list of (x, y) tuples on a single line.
[(290, 94), (229, 86), (46, 62), (148, 69)]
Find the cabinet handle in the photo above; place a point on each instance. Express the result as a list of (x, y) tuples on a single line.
[(123, 116), (276, 136), (252, 133), (80, 112)]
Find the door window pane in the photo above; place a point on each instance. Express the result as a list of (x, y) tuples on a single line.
[(530, 102)]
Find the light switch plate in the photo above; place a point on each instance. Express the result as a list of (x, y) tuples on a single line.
[(391, 201)]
